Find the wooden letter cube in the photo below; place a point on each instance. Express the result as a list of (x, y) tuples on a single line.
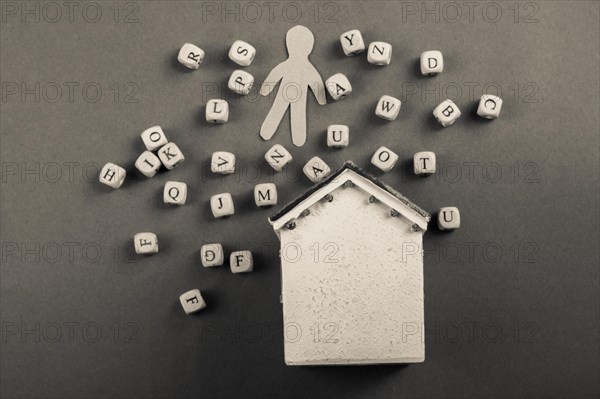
[(190, 56), (171, 156), (217, 111), (316, 169), (145, 243), (352, 42), (448, 218), (112, 175), (175, 193), (380, 53), (240, 82), (432, 62), (388, 108), (192, 301), (242, 53), (338, 86), (446, 113), (222, 205), (278, 157), (148, 163), (489, 106), (222, 162), (265, 194), (338, 136), (154, 138), (212, 255), (424, 163), (241, 262), (384, 158)]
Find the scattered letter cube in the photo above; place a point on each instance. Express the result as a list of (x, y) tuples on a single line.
[(380, 53), (352, 42), (175, 193), (384, 158), (424, 163), (154, 138), (212, 255), (171, 156), (278, 157), (265, 194), (446, 113), (242, 53), (448, 218), (145, 243), (338, 136), (338, 86), (148, 163), (192, 301), (222, 162), (112, 175), (489, 106), (191, 56), (432, 62), (217, 111), (222, 205), (241, 262), (316, 169), (240, 82), (388, 108)]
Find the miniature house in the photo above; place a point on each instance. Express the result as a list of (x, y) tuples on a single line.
[(352, 273)]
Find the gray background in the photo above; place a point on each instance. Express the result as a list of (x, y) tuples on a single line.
[(512, 303)]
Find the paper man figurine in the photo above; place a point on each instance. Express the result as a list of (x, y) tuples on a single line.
[(296, 75)]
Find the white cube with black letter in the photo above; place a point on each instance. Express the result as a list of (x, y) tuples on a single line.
[(277, 156), (352, 42), (145, 243), (338, 136), (432, 62), (154, 138), (171, 156), (446, 113), (489, 106), (190, 56), (265, 195), (192, 301), (388, 108), (242, 53), (175, 193), (424, 163), (241, 262), (316, 169), (222, 163), (384, 158), (222, 205), (212, 255), (112, 175)]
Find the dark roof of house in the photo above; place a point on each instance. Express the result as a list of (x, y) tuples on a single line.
[(350, 165)]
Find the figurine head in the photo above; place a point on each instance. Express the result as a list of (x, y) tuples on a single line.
[(299, 41)]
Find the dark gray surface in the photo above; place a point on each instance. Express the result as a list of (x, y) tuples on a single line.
[(541, 294)]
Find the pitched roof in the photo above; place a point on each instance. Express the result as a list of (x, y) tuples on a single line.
[(381, 191)]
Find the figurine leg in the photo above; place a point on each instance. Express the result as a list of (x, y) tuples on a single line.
[(271, 123), (298, 118)]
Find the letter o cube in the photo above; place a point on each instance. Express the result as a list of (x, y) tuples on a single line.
[(241, 262), (192, 301), (489, 106), (432, 62), (424, 163), (240, 82), (384, 158), (175, 193), (112, 175), (316, 169), (242, 53), (217, 111), (145, 243), (212, 255), (171, 156), (338, 86), (448, 218), (379, 53), (222, 205), (154, 138), (190, 56), (446, 113), (265, 194)]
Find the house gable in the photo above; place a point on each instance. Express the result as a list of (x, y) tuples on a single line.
[(361, 179)]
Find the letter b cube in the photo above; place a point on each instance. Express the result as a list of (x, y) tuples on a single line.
[(446, 113)]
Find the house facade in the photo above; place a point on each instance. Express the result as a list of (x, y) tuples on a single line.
[(352, 273)]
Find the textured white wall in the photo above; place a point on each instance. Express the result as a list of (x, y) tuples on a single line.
[(359, 299)]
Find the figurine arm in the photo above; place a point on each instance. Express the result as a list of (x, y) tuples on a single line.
[(271, 80), (317, 86)]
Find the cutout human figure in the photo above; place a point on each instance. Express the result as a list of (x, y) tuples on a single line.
[(296, 75)]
